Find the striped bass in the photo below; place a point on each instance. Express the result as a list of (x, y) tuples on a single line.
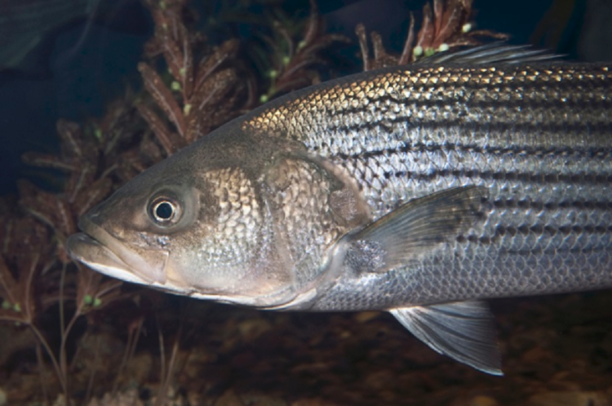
[(419, 190)]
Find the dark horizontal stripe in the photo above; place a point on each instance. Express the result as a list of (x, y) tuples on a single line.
[(505, 176), (439, 102), (557, 127), (555, 251), (537, 229), (540, 229), (561, 205), (488, 150)]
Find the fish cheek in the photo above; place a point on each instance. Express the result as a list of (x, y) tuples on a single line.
[(216, 255)]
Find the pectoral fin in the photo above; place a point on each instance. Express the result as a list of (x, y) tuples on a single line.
[(462, 330), (414, 229)]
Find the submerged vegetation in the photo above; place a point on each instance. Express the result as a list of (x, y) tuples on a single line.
[(72, 336)]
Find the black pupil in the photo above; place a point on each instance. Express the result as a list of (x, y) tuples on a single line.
[(164, 211)]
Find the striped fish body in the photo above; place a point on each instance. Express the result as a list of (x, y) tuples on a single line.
[(417, 190), (538, 138)]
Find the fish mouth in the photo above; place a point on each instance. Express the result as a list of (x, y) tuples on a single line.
[(100, 250)]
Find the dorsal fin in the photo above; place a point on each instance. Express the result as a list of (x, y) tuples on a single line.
[(494, 53)]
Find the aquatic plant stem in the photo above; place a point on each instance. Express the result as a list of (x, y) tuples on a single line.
[(61, 310), (128, 353), (65, 331), (93, 371), (65, 334), (56, 366), (29, 312), (166, 374), (41, 370), (162, 354), (26, 315)]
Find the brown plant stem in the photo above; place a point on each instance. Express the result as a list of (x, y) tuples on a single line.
[(128, 353), (166, 374), (41, 371), (93, 371)]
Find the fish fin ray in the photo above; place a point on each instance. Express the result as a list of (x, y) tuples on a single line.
[(463, 331), (496, 52), (414, 229)]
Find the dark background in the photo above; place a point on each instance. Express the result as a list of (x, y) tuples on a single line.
[(85, 65)]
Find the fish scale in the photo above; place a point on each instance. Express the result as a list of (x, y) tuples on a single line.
[(539, 138)]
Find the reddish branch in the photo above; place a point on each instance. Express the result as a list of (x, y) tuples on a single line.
[(202, 90), (294, 61), (448, 25)]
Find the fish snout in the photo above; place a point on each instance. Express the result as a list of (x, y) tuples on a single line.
[(101, 250)]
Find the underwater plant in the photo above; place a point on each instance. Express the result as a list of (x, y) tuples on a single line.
[(447, 26), (290, 55), (205, 90), (36, 275)]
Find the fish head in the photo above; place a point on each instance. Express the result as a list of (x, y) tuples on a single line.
[(196, 224)]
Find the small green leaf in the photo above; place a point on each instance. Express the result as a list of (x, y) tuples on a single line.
[(88, 300), (6, 304), (97, 302), (17, 307)]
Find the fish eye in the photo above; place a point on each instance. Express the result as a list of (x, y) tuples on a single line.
[(164, 211)]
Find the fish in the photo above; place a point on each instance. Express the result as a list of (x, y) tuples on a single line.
[(421, 190)]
